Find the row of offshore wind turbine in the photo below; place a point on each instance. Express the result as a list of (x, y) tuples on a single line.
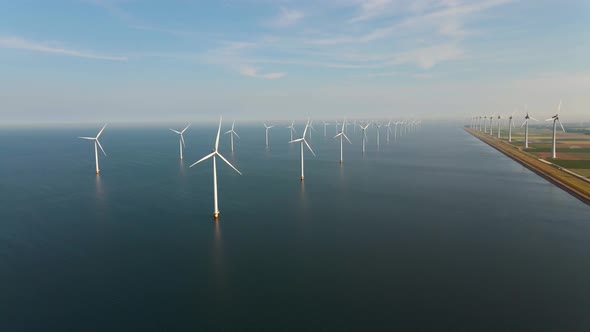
[(405, 126), (480, 123)]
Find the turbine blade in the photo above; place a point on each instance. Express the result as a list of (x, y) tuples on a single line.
[(550, 119), (178, 132), (227, 162), (233, 124), (100, 146), (218, 132), (530, 117), (343, 134), (182, 132), (100, 132), (227, 132), (309, 147), (182, 139), (561, 125), (337, 135), (204, 158), (305, 130), (296, 140), (90, 138), (237, 134)]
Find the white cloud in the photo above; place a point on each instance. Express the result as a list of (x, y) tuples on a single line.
[(286, 18), (254, 72), (370, 9), (23, 44)]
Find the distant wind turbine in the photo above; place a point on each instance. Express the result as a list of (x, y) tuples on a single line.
[(555, 120), (213, 154), (292, 128), (231, 133), (526, 129), (364, 129), (499, 117), (325, 125), (96, 146), (181, 140), (342, 135), (510, 125), (267, 128), (388, 125), (378, 126), (302, 140)]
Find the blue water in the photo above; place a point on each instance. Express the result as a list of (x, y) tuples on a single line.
[(436, 231)]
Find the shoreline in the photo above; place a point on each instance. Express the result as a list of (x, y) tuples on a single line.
[(561, 177)]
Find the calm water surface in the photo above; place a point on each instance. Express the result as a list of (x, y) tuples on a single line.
[(434, 232)]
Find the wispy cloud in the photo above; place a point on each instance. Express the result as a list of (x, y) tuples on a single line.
[(370, 9), (23, 44), (254, 72), (286, 18)]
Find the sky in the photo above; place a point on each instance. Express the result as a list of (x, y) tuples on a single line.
[(148, 61)]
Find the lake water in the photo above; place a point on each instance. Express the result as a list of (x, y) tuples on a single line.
[(436, 231)]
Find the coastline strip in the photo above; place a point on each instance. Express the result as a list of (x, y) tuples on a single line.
[(572, 183)]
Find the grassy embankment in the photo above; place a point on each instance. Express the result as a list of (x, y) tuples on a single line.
[(553, 173)]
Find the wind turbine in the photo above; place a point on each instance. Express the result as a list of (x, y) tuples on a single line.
[(526, 129), (378, 126), (388, 125), (213, 154), (231, 133), (499, 117), (337, 123), (292, 128), (181, 140), (555, 120), (96, 146), (302, 140), (267, 128), (342, 135), (510, 125), (325, 125), (364, 129), (485, 124), (312, 129), (491, 117)]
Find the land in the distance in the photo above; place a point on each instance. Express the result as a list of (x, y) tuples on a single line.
[(569, 171)]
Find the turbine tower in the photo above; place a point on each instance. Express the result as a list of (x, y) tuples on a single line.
[(364, 129), (214, 154), (181, 140), (302, 140), (485, 124), (491, 117), (499, 117), (342, 135), (231, 133), (526, 129), (555, 120), (267, 128), (96, 146)]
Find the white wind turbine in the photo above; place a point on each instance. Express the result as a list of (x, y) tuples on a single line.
[(181, 140), (96, 146), (302, 140), (213, 154), (312, 129), (267, 128), (364, 129), (336, 127), (485, 124), (378, 126), (231, 133), (491, 117), (342, 135), (325, 125), (292, 128), (555, 120), (527, 117), (510, 125), (388, 126), (499, 117)]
